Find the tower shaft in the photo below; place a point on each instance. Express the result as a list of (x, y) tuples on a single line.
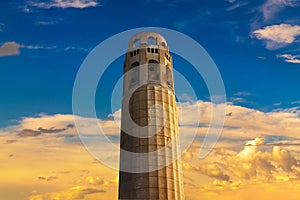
[(154, 169)]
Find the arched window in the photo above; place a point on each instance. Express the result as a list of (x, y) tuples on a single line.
[(134, 74), (151, 41), (169, 76), (137, 43), (153, 71), (135, 64), (163, 44)]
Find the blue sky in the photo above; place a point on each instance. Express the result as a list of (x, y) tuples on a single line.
[(255, 45)]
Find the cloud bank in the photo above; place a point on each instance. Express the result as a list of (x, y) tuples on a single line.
[(235, 164)]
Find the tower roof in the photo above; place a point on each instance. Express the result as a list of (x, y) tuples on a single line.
[(144, 39)]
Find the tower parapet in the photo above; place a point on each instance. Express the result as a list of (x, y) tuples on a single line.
[(144, 39)]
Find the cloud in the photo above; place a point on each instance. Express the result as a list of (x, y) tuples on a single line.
[(247, 123), (237, 100), (239, 97), (48, 22), (237, 5), (290, 58), (233, 173), (9, 49), (277, 36), (37, 47), (71, 48), (184, 98), (262, 57), (295, 110), (50, 178), (90, 186), (251, 147), (10, 141), (29, 133), (68, 48), (230, 167), (295, 102), (75, 193), (251, 164), (63, 4), (243, 94), (277, 104), (272, 7), (13, 48), (214, 171), (40, 130), (51, 156)]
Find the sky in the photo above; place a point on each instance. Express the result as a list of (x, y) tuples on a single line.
[(255, 45)]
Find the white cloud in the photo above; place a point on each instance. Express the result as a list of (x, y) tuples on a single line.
[(272, 7), (13, 48), (236, 6), (262, 57), (290, 58), (277, 104), (295, 102), (64, 4), (48, 22), (243, 93), (251, 147), (241, 123), (71, 48), (9, 49), (277, 36), (239, 97), (37, 47), (185, 97), (295, 110), (237, 100)]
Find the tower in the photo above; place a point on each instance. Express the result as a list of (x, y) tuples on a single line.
[(150, 164)]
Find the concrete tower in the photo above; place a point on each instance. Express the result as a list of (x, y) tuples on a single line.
[(150, 164)]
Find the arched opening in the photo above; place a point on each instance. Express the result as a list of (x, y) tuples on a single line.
[(135, 64), (137, 43), (153, 61), (153, 71), (163, 44), (151, 41), (134, 74), (169, 77)]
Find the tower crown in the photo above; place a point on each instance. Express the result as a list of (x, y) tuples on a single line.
[(145, 39)]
